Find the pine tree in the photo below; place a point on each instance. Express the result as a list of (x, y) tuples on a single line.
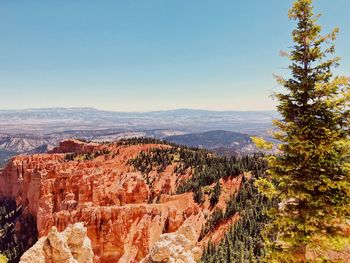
[(214, 199), (198, 196), (310, 177)]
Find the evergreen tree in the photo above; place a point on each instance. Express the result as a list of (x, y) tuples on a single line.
[(310, 178), (214, 199), (3, 259), (198, 196)]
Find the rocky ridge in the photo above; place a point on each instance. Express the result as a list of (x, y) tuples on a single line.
[(70, 246), (177, 247), (125, 215)]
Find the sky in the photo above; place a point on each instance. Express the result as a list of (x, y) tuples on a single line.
[(144, 55)]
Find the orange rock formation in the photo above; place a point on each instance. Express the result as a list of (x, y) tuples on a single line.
[(116, 204)]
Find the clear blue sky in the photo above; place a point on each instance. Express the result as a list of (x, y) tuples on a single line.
[(137, 55)]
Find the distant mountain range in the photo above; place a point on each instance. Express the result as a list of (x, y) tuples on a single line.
[(223, 142), (44, 121), (38, 130)]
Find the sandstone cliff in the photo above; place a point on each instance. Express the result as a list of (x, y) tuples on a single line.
[(102, 191), (125, 213), (177, 247), (70, 246)]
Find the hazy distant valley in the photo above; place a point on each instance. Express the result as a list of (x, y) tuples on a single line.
[(39, 130), (53, 120)]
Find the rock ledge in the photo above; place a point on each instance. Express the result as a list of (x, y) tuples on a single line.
[(70, 246)]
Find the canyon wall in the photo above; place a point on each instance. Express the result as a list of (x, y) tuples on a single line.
[(95, 184)]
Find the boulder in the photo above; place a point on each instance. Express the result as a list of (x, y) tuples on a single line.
[(69, 246)]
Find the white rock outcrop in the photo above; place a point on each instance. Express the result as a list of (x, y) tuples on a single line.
[(70, 246), (177, 247)]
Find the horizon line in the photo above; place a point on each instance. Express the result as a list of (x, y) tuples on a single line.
[(145, 111)]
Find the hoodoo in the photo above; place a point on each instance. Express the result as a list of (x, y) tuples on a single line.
[(128, 207)]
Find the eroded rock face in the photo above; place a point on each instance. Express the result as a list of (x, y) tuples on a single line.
[(71, 246), (105, 193), (177, 247)]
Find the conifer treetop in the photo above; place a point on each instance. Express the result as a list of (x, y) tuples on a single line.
[(311, 176)]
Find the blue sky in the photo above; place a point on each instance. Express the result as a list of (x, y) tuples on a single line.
[(140, 55)]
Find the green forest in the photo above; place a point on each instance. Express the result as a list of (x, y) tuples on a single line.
[(243, 242)]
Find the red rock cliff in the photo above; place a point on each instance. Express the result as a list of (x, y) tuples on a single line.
[(104, 192)]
